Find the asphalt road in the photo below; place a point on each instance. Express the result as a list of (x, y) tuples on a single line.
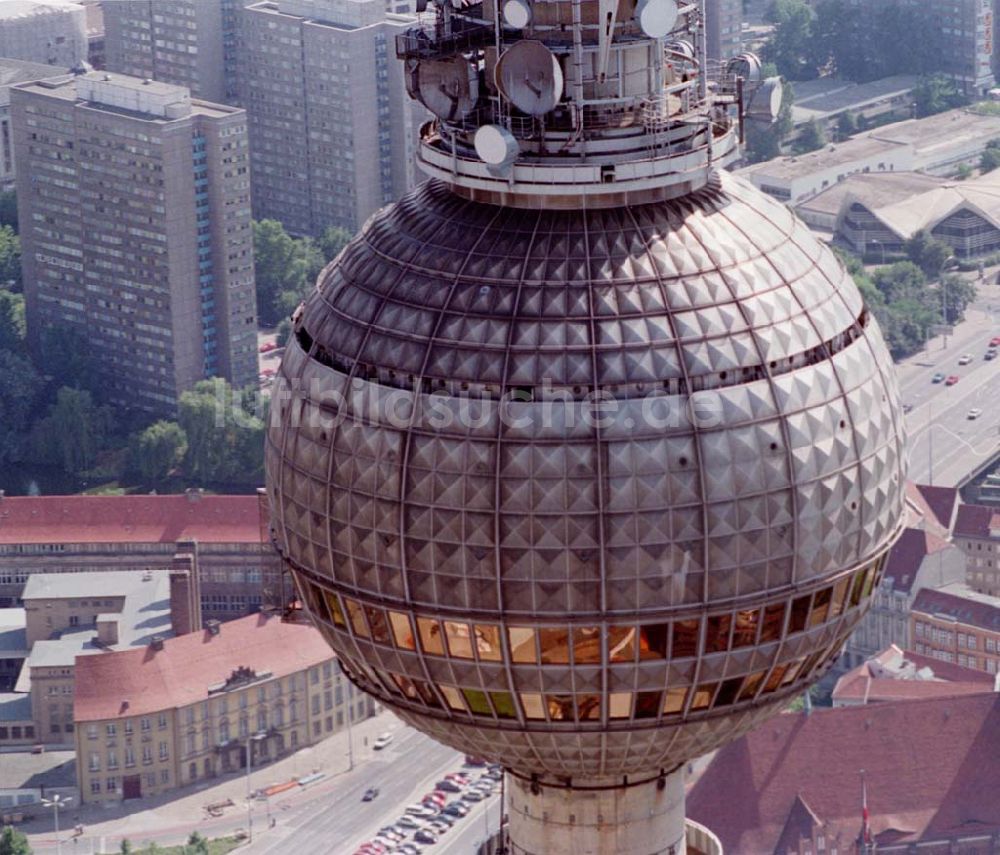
[(336, 823), (945, 445)]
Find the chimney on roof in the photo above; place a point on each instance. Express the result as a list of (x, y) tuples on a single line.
[(185, 596), (212, 626), (194, 494), (157, 642), (107, 630)]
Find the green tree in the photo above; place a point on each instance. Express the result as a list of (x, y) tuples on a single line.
[(156, 451), (791, 47), (847, 124), (8, 209), (126, 847), (332, 241), (810, 138), (71, 433), (935, 93), (13, 842), (284, 332), (225, 440), (19, 388), (285, 269), (65, 356), (965, 171), (10, 258), (197, 844), (990, 158), (927, 252), (955, 294), (11, 321)]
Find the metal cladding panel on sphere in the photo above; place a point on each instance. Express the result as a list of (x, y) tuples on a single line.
[(587, 492)]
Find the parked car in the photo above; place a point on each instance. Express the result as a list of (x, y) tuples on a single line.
[(995, 341), (426, 837), (456, 808), (268, 346), (448, 786), (420, 810), (382, 740), (990, 354), (937, 378), (408, 822), (974, 413), (370, 793), (952, 380), (473, 795), (438, 826), (391, 832), (471, 760), (457, 777)]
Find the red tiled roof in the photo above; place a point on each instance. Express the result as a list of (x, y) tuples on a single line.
[(950, 671), (928, 768), (976, 521), (972, 612), (129, 519), (937, 503), (908, 553), (182, 671)]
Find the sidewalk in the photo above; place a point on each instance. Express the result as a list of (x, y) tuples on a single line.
[(170, 818)]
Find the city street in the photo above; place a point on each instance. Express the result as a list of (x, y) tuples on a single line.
[(945, 445)]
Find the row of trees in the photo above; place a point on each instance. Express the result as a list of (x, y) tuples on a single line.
[(286, 268), (830, 37), (909, 298)]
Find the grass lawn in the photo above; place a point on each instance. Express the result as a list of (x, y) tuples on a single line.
[(219, 846)]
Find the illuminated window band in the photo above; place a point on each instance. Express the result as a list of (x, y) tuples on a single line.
[(614, 646)]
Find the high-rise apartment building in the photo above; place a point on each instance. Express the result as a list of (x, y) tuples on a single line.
[(724, 28), (15, 71), (326, 105), (134, 202), (175, 41), (52, 32)]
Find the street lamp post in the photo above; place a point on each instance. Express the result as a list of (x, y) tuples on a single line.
[(350, 718), (948, 262), (56, 802), (252, 738)]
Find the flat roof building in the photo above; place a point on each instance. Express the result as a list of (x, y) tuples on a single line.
[(977, 533), (186, 710), (937, 145), (134, 202), (14, 71), (50, 32), (330, 126), (220, 540), (176, 41), (724, 28), (73, 616)]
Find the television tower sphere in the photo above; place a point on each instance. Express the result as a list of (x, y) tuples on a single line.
[(587, 459)]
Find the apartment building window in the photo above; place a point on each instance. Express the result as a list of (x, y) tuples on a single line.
[(111, 785), (129, 757), (112, 760), (95, 762), (971, 642), (147, 754), (95, 785), (991, 645), (164, 776), (91, 731), (112, 731), (128, 727), (163, 751), (262, 720), (144, 724)]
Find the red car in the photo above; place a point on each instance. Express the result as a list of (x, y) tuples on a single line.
[(268, 346), (952, 380), (995, 341)]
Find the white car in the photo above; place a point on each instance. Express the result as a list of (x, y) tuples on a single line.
[(965, 359), (382, 740), (974, 413)]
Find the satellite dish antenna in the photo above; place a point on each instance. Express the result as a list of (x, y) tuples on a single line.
[(449, 87), (530, 77), (747, 66), (765, 105), (496, 146), (656, 17), (517, 13)]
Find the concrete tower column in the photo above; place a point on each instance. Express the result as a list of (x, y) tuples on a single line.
[(597, 818)]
